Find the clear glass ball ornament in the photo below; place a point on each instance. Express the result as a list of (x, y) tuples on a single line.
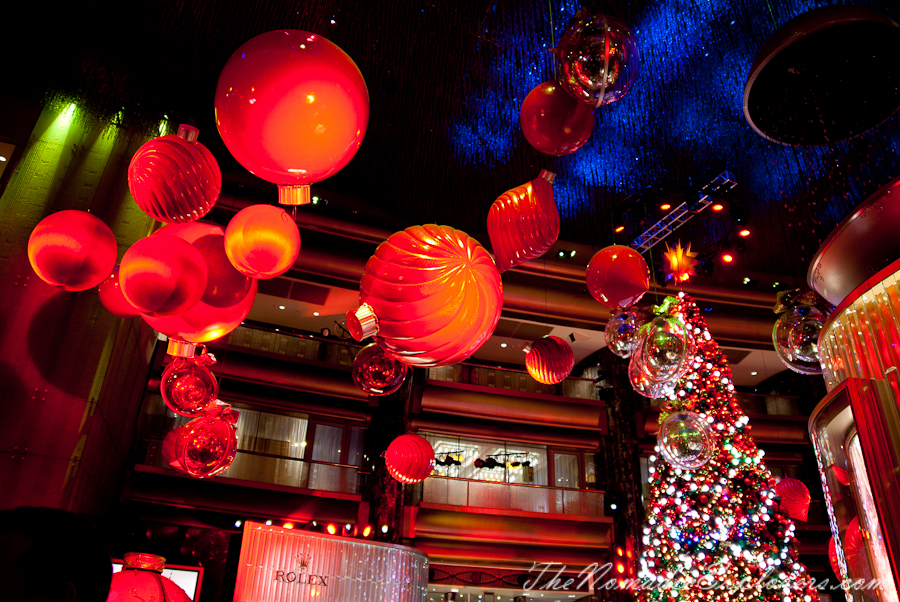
[(796, 339), (622, 331), (664, 349), (686, 441), (645, 385)]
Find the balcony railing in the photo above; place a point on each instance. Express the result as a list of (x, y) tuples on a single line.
[(508, 496), (281, 470)]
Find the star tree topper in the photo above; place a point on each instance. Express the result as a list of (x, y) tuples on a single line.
[(680, 262)]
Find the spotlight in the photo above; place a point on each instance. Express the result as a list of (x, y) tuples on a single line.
[(571, 253), (727, 257), (745, 233), (367, 531), (281, 307), (718, 207), (316, 314), (237, 524), (665, 206), (384, 529), (561, 253), (348, 527), (619, 229), (269, 523), (750, 281), (331, 529), (288, 525), (503, 345)]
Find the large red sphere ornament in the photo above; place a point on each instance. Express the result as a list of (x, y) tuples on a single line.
[(72, 250), (110, 292), (554, 122), (618, 276), (292, 108), (140, 580), (432, 294), (550, 360), (523, 223), (175, 178), (188, 386), (409, 458), (162, 275), (262, 241), (377, 373), (794, 498)]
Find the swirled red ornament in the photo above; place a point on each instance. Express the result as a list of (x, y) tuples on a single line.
[(409, 458), (175, 179), (523, 223), (72, 250), (794, 498), (617, 276), (431, 294), (550, 360)]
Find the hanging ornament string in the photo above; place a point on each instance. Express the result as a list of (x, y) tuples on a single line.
[(552, 38)]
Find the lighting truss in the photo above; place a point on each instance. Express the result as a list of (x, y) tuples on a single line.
[(683, 213)]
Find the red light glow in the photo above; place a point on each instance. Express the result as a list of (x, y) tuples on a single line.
[(288, 525), (331, 529), (620, 228), (665, 206), (744, 232), (367, 531), (727, 257), (620, 568), (718, 207)]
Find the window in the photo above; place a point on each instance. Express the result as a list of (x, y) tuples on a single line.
[(565, 470), (502, 462)]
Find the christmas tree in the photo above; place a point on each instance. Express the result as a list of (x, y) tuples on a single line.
[(714, 532)]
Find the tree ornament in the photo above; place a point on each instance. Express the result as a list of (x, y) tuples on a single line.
[(840, 474), (292, 108), (794, 498), (553, 121), (110, 292), (141, 580), (162, 275), (833, 558), (621, 331), (431, 294), (664, 349), (262, 241), (645, 385), (854, 549), (597, 58), (550, 360), (72, 250), (523, 223), (685, 441), (409, 458), (618, 276), (175, 179), (796, 333), (205, 446), (680, 262), (188, 386), (377, 373)]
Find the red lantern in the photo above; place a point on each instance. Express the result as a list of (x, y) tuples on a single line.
[(262, 241), (794, 498), (175, 178), (72, 250), (432, 294), (409, 458), (188, 386), (554, 122), (523, 223), (292, 108), (550, 360), (113, 300), (618, 276), (162, 275), (854, 549), (377, 373), (832, 558), (141, 580), (206, 446)]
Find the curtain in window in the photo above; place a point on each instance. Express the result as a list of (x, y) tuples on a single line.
[(565, 468)]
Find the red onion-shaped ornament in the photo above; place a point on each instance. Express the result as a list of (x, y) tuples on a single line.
[(188, 386), (110, 292), (175, 179), (550, 360), (206, 446), (618, 276), (523, 223), (292, 108), (553, 121), (794, 498), (409, 458), (262, 241), (72, 250), (432, 294), (377, 373), (162, 275), (141, 580)]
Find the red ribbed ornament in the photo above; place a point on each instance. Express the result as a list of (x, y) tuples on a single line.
[(794, 498), (262, 241), (140, 580), (175, 179), (854, 549), (162, 275), (553, 121), (618, 276), (431, 294), (72, 250), (409, 458), (110, 292), (523, 223), (550, 360)]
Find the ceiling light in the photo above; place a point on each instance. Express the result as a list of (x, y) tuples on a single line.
[(281, 307), (776, 284), (2, 158), (571, 253), (269, 523), (727, 257), (744, 233), (620, 228), (288, 525), (238, 524), (315, 313), (503, 345), (754, 373), (718, 207), (746, 280), (665, 206)]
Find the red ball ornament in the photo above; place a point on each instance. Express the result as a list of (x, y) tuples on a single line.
[(432, 294), (110, 292), (206, 446), (409, 458), (377, 373), (618, 276), (175, 178), (550, 360), (554, 122), (141, 580), (72, 250), (523, 223), (188, 386), (794, 498), (162, 275), (262, 241), (292, 108)]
